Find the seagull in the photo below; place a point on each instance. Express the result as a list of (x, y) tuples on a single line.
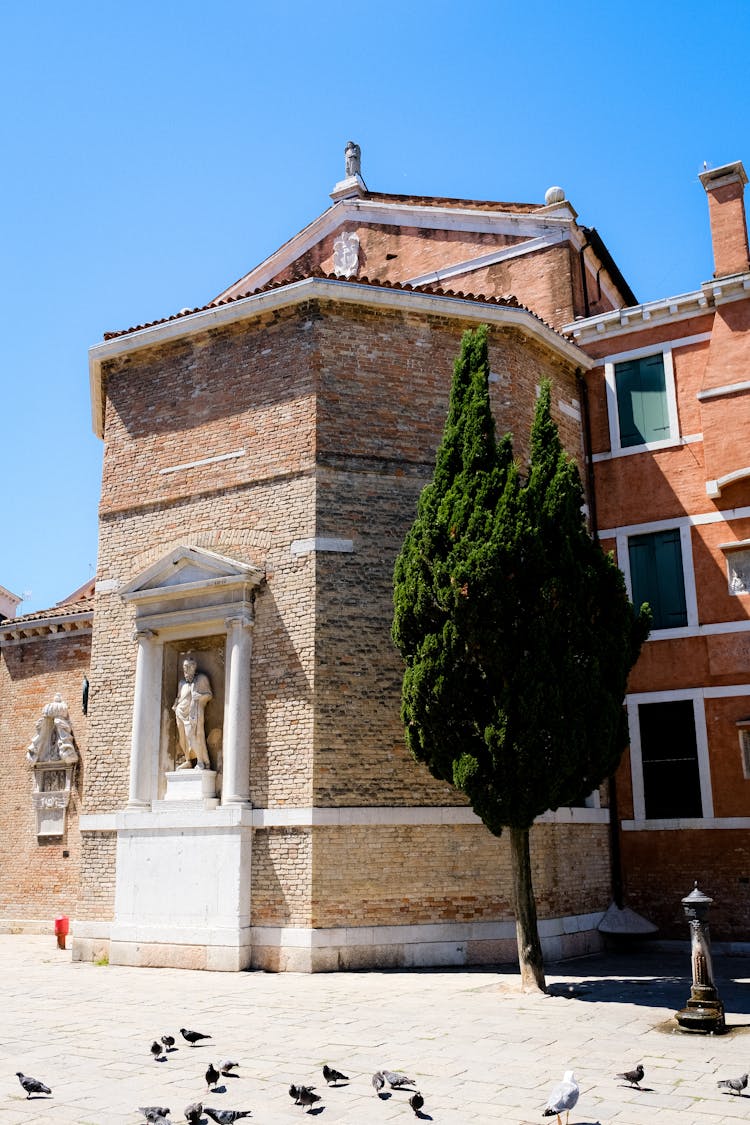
[(634, 1077), (157, 1049), (736, 1085), (227, 1067), (168, 1041), (378, 1081), (307, 1097), (192, 1036), (562, 1097), (32, 1085), (212, 1076), (416, 1101), (332, 1075), (193, 1112), (397, 1081), (152, 1112), (226, 1116)]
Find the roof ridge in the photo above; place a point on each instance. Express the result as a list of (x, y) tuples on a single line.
[(431, 289)]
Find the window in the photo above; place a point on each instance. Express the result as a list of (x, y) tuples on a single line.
[(656, 576), (642, 407), (669, 759), (642, 399)]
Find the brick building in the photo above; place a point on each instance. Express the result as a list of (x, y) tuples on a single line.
[(670, 409), (263, 459)]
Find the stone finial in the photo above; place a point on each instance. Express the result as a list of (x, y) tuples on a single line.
[(352, 184), (554, 195), (353, 159)]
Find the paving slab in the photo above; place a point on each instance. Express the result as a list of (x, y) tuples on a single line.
[(479, 1049)]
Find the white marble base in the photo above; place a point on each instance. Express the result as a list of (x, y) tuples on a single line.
[(182, 894), (190, 785)]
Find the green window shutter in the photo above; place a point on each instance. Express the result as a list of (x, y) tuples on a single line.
[(657, 576), (642, 400)]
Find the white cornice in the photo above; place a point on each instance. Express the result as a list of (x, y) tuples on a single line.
[(364, 211), (343, 292), (468, 265), (667, 310), (15, 632)]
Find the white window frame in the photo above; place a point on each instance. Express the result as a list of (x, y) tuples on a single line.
[(671, 394), (688, 572), (697, 696)]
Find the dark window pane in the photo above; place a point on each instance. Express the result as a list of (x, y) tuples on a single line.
[(669, 753)]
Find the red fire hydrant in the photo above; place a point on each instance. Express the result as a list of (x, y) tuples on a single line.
[(62, 929)]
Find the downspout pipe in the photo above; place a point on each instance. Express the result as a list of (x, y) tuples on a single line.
[(615, 851)]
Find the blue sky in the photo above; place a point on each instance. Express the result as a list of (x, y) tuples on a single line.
[(153, 153)]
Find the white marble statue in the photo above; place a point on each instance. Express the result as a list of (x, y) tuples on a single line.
[(353, 159), (193, 694), (53, 736)]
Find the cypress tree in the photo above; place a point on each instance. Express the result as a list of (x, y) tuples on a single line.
[(515, 627)]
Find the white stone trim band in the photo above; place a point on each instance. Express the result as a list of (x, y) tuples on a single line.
[(321, 817), (309, 546), (683, 824), (304, 937), (203, 461)]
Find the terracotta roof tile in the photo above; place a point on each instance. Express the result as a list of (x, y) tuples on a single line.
[(65, 609), (432, 290), (449, 201)]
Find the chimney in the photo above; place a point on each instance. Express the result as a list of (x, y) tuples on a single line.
[(725, 189)]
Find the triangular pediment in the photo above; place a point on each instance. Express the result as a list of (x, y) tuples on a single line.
[(190, 568), (521, 228)]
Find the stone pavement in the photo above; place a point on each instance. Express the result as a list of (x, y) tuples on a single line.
[(479, 1049)]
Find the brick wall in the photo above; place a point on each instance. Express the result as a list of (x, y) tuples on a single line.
[(37, 880), (453, 873)]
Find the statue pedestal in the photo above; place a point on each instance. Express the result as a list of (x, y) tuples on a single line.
[(196, 786), (182, 895)]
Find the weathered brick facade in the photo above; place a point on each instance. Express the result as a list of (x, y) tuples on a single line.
[(290, 432)]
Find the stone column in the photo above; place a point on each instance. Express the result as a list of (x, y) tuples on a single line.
[(235, 788), (145, 718)]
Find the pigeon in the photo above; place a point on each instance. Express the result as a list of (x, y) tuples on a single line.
[(416, 1101), (193, 1112), (212, 1076), (378, 1081), (562, 1097), (157, 1050), (634, 1077), (736, 1085), (397, 1081), (295, 1091), (152, 1112), (332, 1075), (192, 1036), (168, 1041), (32, 1085), (226, 1116), (307, 1097), (227, 1067)]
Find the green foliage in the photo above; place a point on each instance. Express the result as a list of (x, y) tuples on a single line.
[(516, 628)]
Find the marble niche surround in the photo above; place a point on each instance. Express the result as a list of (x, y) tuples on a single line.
[(183, 868)]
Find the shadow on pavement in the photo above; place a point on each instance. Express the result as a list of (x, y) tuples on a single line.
[(656, 980)]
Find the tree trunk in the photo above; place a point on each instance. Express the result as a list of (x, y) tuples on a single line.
[(529, 946)]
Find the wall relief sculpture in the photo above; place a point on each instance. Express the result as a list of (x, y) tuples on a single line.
[(53, 756), (346, 254)]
